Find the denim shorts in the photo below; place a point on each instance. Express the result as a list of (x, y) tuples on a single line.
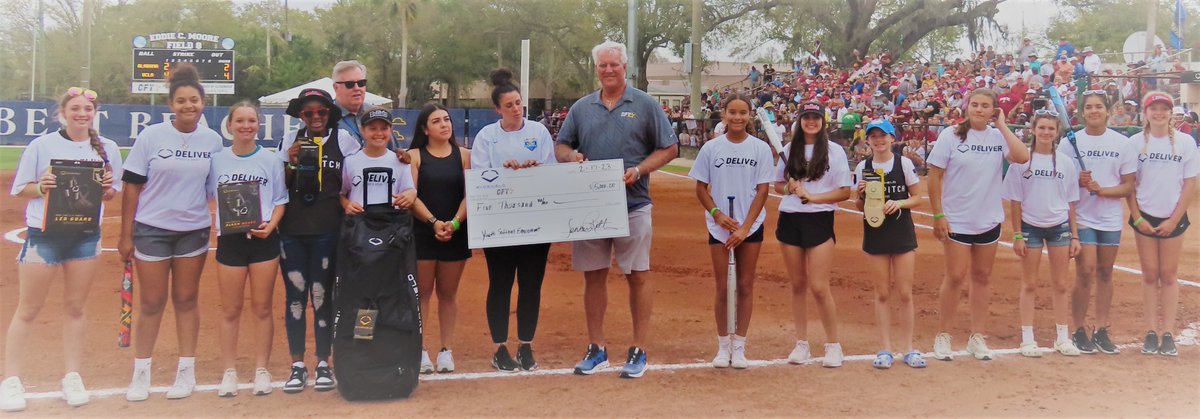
[(56, 249), (1056, 236), (1094, 237)]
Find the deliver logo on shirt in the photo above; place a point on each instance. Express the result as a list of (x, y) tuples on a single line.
[(976, 148), (240, 177), (1101, 154), (735, 161), (1161, 157), (166, 153)]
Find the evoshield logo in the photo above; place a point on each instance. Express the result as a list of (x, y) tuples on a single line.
[(357, 179), (490, 175), (375, 241), (165, 153)]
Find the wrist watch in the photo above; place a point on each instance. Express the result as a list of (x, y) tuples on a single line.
[(432, 220)]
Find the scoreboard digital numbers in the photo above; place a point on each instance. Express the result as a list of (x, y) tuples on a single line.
[(154, 64)]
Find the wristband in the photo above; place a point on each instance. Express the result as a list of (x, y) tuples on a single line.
[(787, 188), (638, 171), (432, 220), (1135, 222), (454, 224), (713, 212), (939, 215), (1018, 236), (39, 190)]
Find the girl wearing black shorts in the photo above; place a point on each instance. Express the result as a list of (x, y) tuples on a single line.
[(253, 255), (891, 247), (814, 177), (441, 213), (165, 226), (1168, 164), (740, 167)]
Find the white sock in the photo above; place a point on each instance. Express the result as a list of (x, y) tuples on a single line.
[(723, 342), (186, 373), (299, 364), (142, 365), (739, 340), (1063, 333), (1027, 334)]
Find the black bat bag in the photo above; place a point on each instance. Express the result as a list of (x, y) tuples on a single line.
[(377, 322)]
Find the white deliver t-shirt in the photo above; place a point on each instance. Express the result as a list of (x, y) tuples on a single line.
[(260, 166), (733, 169), (176, 167), (838, 176), (1108, 156), (971, 186), (1161, 171), (1045, 193), (35, 160), (353, 181)]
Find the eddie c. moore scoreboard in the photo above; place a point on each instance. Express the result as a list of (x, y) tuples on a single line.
[(152, 66)]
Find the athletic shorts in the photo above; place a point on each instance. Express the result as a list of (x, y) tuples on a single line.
[(632, 253), (237, 250), (153, 244), (1036, 237), (1094, 237), (1155, 221), (56, 249), (805, 229), (987, 237), (755, 237)]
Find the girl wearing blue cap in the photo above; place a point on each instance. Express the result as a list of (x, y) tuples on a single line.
[(891, 246)]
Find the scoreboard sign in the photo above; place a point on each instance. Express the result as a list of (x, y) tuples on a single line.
[(211, 55), (214, 65)]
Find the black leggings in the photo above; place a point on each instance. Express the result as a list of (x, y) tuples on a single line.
[(528, 264)]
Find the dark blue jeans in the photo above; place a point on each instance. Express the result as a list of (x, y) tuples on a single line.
[(307, 262)]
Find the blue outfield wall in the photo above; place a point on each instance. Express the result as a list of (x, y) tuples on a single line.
[(22, 121)]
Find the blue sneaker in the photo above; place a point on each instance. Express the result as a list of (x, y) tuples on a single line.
[(595, 359), (636, 365)]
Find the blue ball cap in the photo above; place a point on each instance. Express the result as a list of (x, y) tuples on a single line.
[(882, 124)]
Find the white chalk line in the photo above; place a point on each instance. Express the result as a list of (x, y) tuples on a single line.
[(1004, 243), (1188, 337)]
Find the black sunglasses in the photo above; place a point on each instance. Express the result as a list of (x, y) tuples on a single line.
[(349, 84), (320, 113)]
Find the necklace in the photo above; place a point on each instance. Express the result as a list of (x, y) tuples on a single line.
[(185, 137)]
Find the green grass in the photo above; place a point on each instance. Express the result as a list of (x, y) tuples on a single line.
[(676, 169), (9, 156)]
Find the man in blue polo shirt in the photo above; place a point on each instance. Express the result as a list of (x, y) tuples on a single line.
[(617, 122)]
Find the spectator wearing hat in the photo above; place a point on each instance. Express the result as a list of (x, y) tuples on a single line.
[(309, 229), (1091, 61)]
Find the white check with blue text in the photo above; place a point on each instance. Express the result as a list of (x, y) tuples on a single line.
[(546, 204)]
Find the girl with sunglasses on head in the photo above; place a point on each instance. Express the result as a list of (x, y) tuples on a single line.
[(513, 143), (1042, 195), (814, 177), (965, 169), (308, 231), (1109, 165), (47, 255), (165, 227), (1166, 185), (252, 256), (440, 228)]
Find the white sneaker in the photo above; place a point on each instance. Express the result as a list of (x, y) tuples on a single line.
[(229, 384), (185, 382), (139, 386), (977, 346), (722, 359), (426, 364), (941, 347), (1031, 350), (262, 382), (1067, 348), (833, 355), (12, 395), (800, 354), (73, 391), (739, 360), (445, 361)]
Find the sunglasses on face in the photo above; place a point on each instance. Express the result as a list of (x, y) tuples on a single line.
[(321, 113), (349, 84), (88, 94)]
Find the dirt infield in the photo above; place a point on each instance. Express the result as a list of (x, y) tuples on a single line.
[(681, 342)]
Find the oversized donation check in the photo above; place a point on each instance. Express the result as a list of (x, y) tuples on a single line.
[(545, 204)]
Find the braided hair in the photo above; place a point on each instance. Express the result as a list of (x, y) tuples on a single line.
[(1053, 145)]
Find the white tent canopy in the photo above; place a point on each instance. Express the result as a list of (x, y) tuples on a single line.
[(325, 83)]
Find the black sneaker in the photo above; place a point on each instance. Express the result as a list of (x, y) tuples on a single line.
[(525, 357), (1103, 343), (1081, 341), (296, 382), (1150, 345), (1167, 347), (503, 361), (324, 381)]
